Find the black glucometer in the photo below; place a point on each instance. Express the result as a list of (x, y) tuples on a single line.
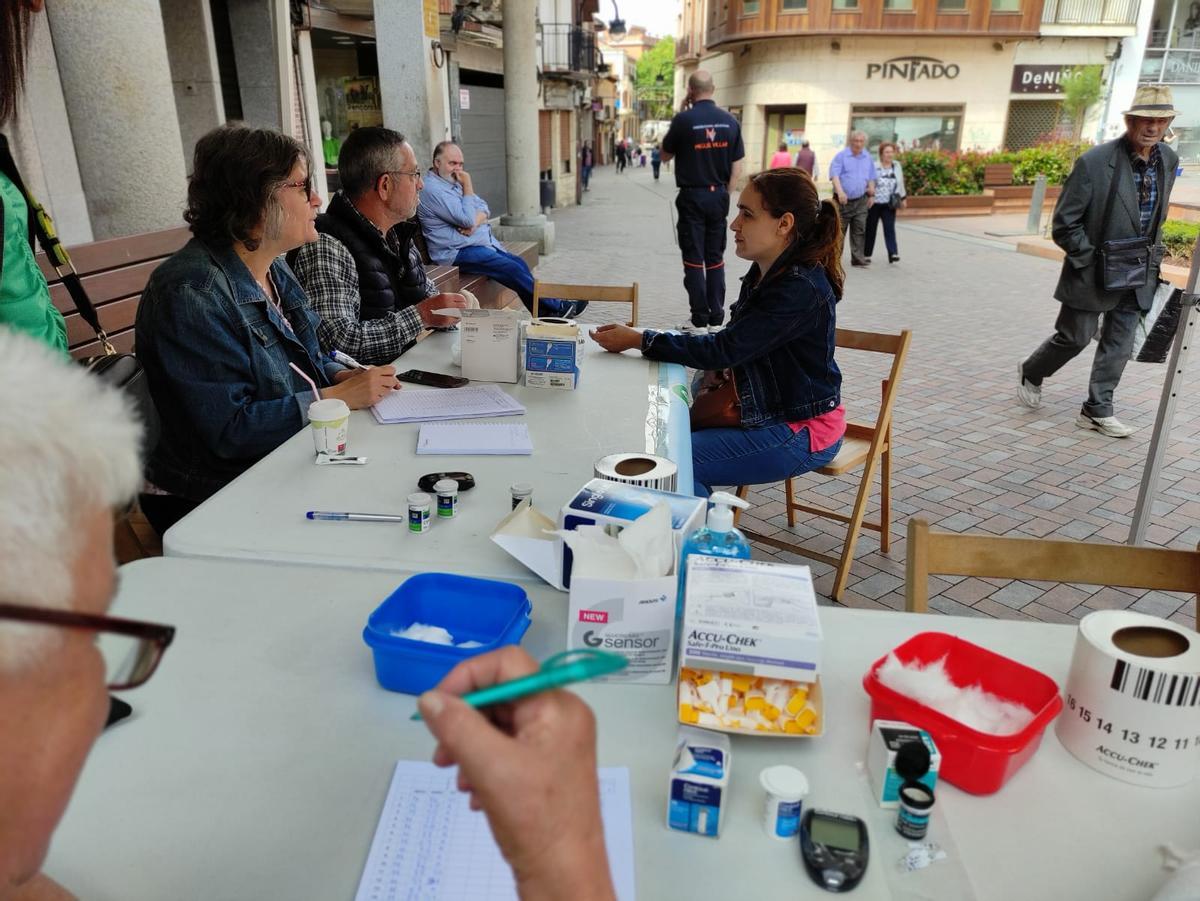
[(835, 849), (465, 480)]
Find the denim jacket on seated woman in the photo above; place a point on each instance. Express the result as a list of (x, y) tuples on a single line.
[(216, 355), (779, 343)]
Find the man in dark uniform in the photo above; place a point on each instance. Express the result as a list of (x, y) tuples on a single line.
[(707, 143)]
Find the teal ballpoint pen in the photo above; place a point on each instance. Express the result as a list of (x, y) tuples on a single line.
[(554, 672)]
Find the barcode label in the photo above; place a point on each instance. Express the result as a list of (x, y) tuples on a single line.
[(1144, 684)]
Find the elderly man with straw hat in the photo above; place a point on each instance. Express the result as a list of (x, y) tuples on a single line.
[(1108, 220)]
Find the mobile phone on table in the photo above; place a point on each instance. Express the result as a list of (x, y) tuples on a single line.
[(432, 379)]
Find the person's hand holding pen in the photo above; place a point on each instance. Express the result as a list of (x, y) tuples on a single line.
[(530, 766), (616, 338), (364, 387)]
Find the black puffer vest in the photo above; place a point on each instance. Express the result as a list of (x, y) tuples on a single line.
[(386, 281)]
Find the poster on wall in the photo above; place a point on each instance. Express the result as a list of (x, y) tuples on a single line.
[(362, 102), (431, 18)]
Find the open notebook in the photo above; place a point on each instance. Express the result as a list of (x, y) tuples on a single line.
[(430, 845), (472, 402), (474, 438)]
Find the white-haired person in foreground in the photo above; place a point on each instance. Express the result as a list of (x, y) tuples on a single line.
[(69, 447)]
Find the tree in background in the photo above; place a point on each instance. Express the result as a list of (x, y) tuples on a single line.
[(654, 79), (1082, 89)]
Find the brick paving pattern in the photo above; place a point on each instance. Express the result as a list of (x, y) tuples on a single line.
[(968, 457)]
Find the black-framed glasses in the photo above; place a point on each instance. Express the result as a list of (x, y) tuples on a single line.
[(131, 648), (306, 186)]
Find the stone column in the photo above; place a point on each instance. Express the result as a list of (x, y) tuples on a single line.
[(116, 81), (192, 51), (524, 221), (408, 100), (256, 52)]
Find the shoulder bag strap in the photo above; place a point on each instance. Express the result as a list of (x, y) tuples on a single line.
[(56, 252)]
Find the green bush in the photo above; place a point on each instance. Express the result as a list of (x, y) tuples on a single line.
[(940, 172), (1180, 237)]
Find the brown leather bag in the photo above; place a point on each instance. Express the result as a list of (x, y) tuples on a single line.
[(716, 406)]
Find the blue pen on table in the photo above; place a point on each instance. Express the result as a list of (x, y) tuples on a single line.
[(554, 672), (345, 359), (355, 517)]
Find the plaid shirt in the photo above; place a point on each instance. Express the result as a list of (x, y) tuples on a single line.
[(326, 270), (1145, 179)]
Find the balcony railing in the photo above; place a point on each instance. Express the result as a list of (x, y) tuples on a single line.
[(568, 49), (1090, 12)]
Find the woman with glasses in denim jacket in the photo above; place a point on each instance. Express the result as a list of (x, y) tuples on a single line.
[(223, 321), (778, 346)]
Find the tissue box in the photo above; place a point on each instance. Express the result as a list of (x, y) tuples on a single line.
[(552, 355), (616, 504), (751, 617), (886, 738), (699, 780), (491, 345)]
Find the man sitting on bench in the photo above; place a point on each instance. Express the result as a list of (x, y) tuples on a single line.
[(455, 221), (364, 276)]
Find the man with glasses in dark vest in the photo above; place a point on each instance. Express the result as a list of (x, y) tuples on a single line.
[(1117, 190), (364, 276)]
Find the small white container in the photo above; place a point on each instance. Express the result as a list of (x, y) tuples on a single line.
[(786, 789), (447, 498), (419, 505), (520, 491), (330, 421)]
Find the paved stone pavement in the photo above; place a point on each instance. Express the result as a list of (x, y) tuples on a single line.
[(968, 457)]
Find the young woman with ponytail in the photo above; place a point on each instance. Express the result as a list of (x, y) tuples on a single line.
[(775, 358)]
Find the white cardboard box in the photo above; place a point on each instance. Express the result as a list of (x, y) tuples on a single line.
[(491, 341), (552, 355)]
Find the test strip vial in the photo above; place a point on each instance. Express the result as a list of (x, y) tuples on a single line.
[(786, 788), (520, 491), (447, 498), (419, 505), (916, 805)]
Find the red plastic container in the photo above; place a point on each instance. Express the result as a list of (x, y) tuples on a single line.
[(974, 761)]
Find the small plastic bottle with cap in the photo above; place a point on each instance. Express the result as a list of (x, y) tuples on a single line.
[(447, 498), (786, 788), (916, 798), (716, 538), (520, 491), (418, 512)]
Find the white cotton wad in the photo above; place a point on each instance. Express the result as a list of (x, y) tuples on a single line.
[(969, 705), (426, 633), (644, 549), (469, 644)]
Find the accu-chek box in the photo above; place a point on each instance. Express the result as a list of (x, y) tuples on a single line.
[(699, 781)]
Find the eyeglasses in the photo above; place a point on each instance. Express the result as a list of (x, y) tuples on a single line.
[(415, 174), (131, 648), (306, 186)]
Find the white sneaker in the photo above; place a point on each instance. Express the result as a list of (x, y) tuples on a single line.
[(1109, 426), (688, 329), (1027, 392)]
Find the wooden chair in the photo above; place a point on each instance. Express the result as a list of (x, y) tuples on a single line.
[(865, 445), (591, 293), (1087, 562)]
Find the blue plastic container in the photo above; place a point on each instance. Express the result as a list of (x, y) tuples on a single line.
[(484, 610)]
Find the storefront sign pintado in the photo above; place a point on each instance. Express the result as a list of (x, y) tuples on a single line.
[(912, 68)]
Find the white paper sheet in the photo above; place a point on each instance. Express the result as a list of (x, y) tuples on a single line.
[(472, 402), (474, 438), (430, 846)]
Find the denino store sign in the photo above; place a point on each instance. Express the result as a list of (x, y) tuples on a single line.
[(911, 68)]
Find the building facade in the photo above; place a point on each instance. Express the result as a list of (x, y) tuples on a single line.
[(929, 74)]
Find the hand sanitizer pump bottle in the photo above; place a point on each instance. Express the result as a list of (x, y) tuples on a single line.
[(716, 538)]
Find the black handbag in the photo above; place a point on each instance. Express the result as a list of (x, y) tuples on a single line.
[(894, 202), (122, 371), (1125, 263)]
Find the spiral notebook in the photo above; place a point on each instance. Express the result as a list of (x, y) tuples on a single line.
[(474, 438), (430, 846)]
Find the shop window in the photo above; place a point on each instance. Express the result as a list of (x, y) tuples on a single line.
[(898, 5), (750, 7), (952, 6), (1006, 6), (795, 6), (909, 127), (845, 5)]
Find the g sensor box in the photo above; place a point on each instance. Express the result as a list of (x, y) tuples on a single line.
[(553, 354), (615, 505), (699, 781), (631, 617), (751, 617), (887, 736)]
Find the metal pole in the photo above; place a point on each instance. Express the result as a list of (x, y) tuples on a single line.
[(1185, 335), (1034, 223)]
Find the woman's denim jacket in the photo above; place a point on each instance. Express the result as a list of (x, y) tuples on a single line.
[(216, 356), (779, 344)]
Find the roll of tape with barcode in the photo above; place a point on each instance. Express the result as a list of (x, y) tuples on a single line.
[(646, 470), (1133, 699)]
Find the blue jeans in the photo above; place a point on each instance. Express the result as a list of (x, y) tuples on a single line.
[(511, 271), (753, 456)]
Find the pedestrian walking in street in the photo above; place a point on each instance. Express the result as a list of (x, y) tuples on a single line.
[(769, 402), (780, 157), (806, 159), (890, 196), (708, 144), (585, 163), (1116, 195), (621, 156), (656, 160), (853, 174), (641, 157)]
